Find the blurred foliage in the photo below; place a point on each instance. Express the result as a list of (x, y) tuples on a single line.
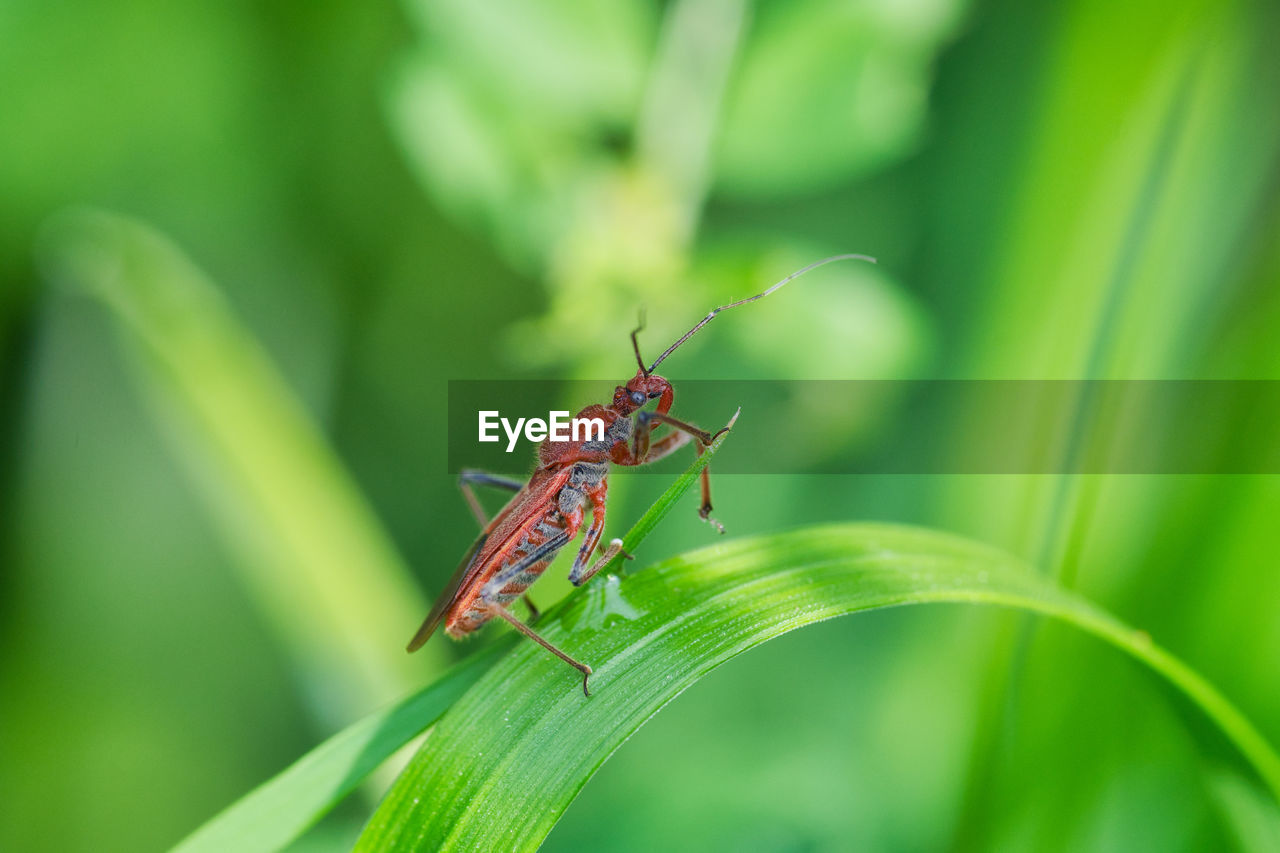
[(389, 197)]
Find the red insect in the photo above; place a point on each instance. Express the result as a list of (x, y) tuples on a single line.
[(546, 513)]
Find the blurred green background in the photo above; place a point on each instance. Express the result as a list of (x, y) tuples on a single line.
[(223, 491)]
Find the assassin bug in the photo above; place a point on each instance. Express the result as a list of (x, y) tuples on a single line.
[(515, 547)]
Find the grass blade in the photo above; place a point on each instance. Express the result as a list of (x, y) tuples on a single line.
[(642, 528), (281, 809), (505, 762), (311, 550)]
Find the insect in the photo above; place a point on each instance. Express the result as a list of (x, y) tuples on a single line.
[(546, 513)]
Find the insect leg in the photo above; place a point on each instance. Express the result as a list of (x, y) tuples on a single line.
[(534, 612), (614, 549), (702, 439), (503, 613), (580, 574), (665, 446), (643, 452), (468, 476), (545, 551)]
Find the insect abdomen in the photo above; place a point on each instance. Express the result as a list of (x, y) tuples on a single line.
[(500, 590)]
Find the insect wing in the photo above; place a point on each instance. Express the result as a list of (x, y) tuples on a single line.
[(508, 524), (450, 594)]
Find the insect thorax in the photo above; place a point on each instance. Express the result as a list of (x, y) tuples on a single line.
[(583, 477), (619, 430)]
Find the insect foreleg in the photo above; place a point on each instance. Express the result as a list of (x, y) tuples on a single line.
[(702, 439), (642, 453), (663, 447)]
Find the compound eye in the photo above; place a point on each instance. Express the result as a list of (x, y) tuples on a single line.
[(637, 397)]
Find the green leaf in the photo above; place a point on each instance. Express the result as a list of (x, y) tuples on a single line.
[(505, 762)]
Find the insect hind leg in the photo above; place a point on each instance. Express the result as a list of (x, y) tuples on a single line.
[(470, 476), (543, 553), (581, 667)]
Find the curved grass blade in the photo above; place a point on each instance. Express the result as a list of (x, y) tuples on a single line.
[(312, 553), (281, 809), (507, 759)]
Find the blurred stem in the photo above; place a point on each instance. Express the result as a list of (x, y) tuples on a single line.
[(311, 552), (676, 130), (1070, 503)]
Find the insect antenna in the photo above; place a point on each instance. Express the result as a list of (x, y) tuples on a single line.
[(635, 342), (707, 319)]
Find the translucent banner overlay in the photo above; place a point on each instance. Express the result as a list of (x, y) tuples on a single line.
[(916, 426)]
